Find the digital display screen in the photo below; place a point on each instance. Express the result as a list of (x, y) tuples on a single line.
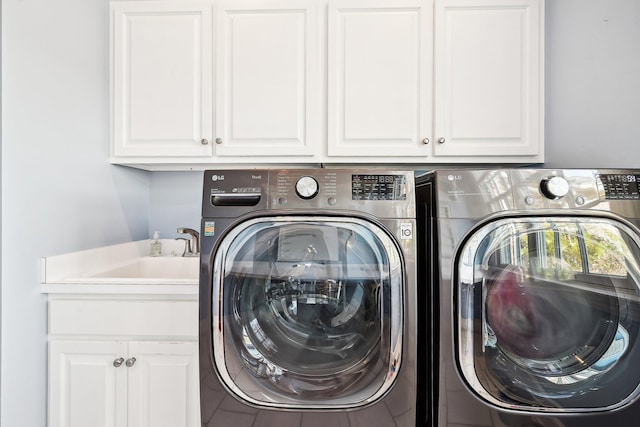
[(378, 187), (621, 186)]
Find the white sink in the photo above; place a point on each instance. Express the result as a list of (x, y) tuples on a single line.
[(123, 268), (151, 268)]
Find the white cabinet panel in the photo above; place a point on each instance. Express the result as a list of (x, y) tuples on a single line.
[(380, 78), (162, 78), (488, 78), (85, 389), (135, 317), (132, 373), (267, 78), (326, 81), (163, 385)]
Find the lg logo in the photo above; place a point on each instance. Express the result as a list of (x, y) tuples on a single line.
[(454, 177), (217, 177)]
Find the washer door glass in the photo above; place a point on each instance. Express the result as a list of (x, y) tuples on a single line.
[(307, 313), (549, 314)]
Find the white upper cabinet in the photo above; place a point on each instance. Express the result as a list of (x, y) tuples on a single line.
[(380, 78), (267, 78), (488, 79), (161, 79), (197, 83)]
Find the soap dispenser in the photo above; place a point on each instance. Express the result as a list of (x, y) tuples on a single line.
[(156, 245)]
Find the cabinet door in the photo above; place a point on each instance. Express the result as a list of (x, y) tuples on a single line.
[(161, 78), (380, 78), (488, 78), (85, 388), (267, 78), (163, 385)]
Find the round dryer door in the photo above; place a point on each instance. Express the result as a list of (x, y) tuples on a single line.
[(549, 313), (307, 313)]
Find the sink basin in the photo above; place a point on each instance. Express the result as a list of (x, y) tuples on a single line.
[(146, 269)]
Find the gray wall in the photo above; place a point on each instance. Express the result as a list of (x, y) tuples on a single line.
[(175, 200), (592, 83), (60, 195)]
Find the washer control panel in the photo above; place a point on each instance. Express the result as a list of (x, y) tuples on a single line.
[(379, 192), (378, 187), (385, 193)]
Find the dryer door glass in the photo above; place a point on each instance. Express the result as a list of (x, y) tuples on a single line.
[(308, 312), (549, 313)]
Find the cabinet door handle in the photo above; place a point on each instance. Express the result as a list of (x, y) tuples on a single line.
[(441, 141), (204, 141), (130, 362), (425, 141), (218, 140), (118, 362)]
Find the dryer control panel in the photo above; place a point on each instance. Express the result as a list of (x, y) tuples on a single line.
[(482, 192), (619, 186)]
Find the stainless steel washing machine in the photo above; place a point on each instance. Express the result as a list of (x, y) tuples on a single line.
[(307, 298), (532, 316)]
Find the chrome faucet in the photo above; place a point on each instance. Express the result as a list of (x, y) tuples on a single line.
[(193, 245)]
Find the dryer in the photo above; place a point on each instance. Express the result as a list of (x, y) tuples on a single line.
[(533, 306), (307, 298)]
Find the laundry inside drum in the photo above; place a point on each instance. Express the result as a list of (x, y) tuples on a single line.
[(550, 328)]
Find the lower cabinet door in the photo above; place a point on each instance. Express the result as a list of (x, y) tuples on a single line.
[(123, 384), (87, 384), (164, 389)]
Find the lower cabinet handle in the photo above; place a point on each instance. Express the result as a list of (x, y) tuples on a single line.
[(130, 362), (118, 362)]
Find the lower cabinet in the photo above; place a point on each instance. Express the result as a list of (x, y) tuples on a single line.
[(110, 380)]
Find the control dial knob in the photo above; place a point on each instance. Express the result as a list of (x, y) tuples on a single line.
[(554, 187), (307, 187)]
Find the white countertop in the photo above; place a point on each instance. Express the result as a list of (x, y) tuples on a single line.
[(126, 268)]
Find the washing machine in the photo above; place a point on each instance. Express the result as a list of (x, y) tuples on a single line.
[(308, 298), (532, 305)]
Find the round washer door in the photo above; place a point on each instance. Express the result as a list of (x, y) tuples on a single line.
[(549, 314), (307, 312)]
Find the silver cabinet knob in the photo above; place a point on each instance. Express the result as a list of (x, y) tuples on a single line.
[(118, 362), (441, 140), (204, 141), (218, 140), (425, 141), (130, 362)]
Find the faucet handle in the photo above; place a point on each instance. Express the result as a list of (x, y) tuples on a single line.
[(194, 248), (186, 230), (187, 245)]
